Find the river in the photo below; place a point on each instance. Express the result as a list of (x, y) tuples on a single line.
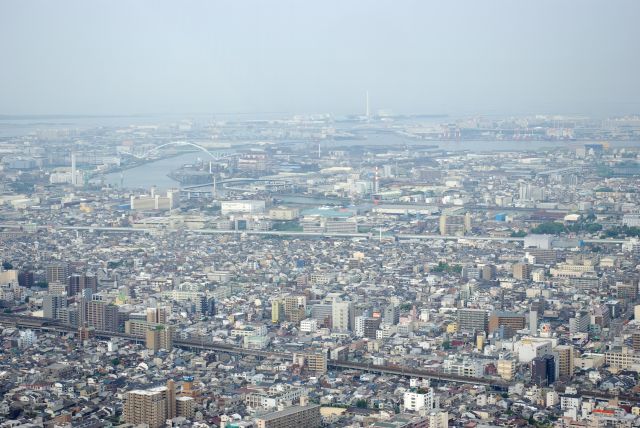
[(155, 173), (152, 173)]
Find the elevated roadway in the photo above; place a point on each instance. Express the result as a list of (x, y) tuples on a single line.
[(51, 325), (48, 324), (370, 235)]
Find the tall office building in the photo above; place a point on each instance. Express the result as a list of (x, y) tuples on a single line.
[(627, 290), (391, 314), (100, 315), (80, 282), (635, 341), (58, 288), (580, 322), (543, 370), (531, 192), (367, 326), (151, 407), (543, 256), (468, 290), (147, 407), (315, 362), (488, 272), (155, 201), (171, 399), (340, 315), (533, 322), (455, 224), (210, 307), (57, 272), (277, 311), (69, 315), (508, 322), (472, 320), (564, 360), (25, 279), (323, 313), (157, 315), (52, 304), (295, 308), (159, 337), (506, 367), (522, 271), (185, 407)]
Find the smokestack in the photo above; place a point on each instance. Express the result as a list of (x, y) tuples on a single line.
[(367, 108)]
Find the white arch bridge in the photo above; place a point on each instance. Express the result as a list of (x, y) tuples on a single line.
[(214, 155)]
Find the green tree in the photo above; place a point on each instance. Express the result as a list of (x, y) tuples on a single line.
[(593, 227), (7, 265), (361, 404), (549, 228), (446, 267)]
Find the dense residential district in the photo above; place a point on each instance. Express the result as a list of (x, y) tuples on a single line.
[(312, 271)]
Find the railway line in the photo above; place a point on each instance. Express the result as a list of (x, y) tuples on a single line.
[(51, 325)]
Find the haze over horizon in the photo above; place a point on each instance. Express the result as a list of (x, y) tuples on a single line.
[(161, 57)]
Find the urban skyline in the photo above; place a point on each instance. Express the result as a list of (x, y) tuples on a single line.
[(284, 214)]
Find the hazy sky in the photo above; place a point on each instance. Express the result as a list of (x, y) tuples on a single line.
[(192, 56)]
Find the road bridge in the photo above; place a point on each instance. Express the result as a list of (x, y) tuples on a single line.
[(206, 190), (215, 155), (234, 181)]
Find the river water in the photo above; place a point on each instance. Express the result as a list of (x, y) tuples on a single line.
[(152, 173), (155, 173)]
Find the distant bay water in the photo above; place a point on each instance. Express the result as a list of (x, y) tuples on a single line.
[(155, 173)]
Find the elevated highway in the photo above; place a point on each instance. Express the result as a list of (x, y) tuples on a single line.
[(51, 325), (369, 235)]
